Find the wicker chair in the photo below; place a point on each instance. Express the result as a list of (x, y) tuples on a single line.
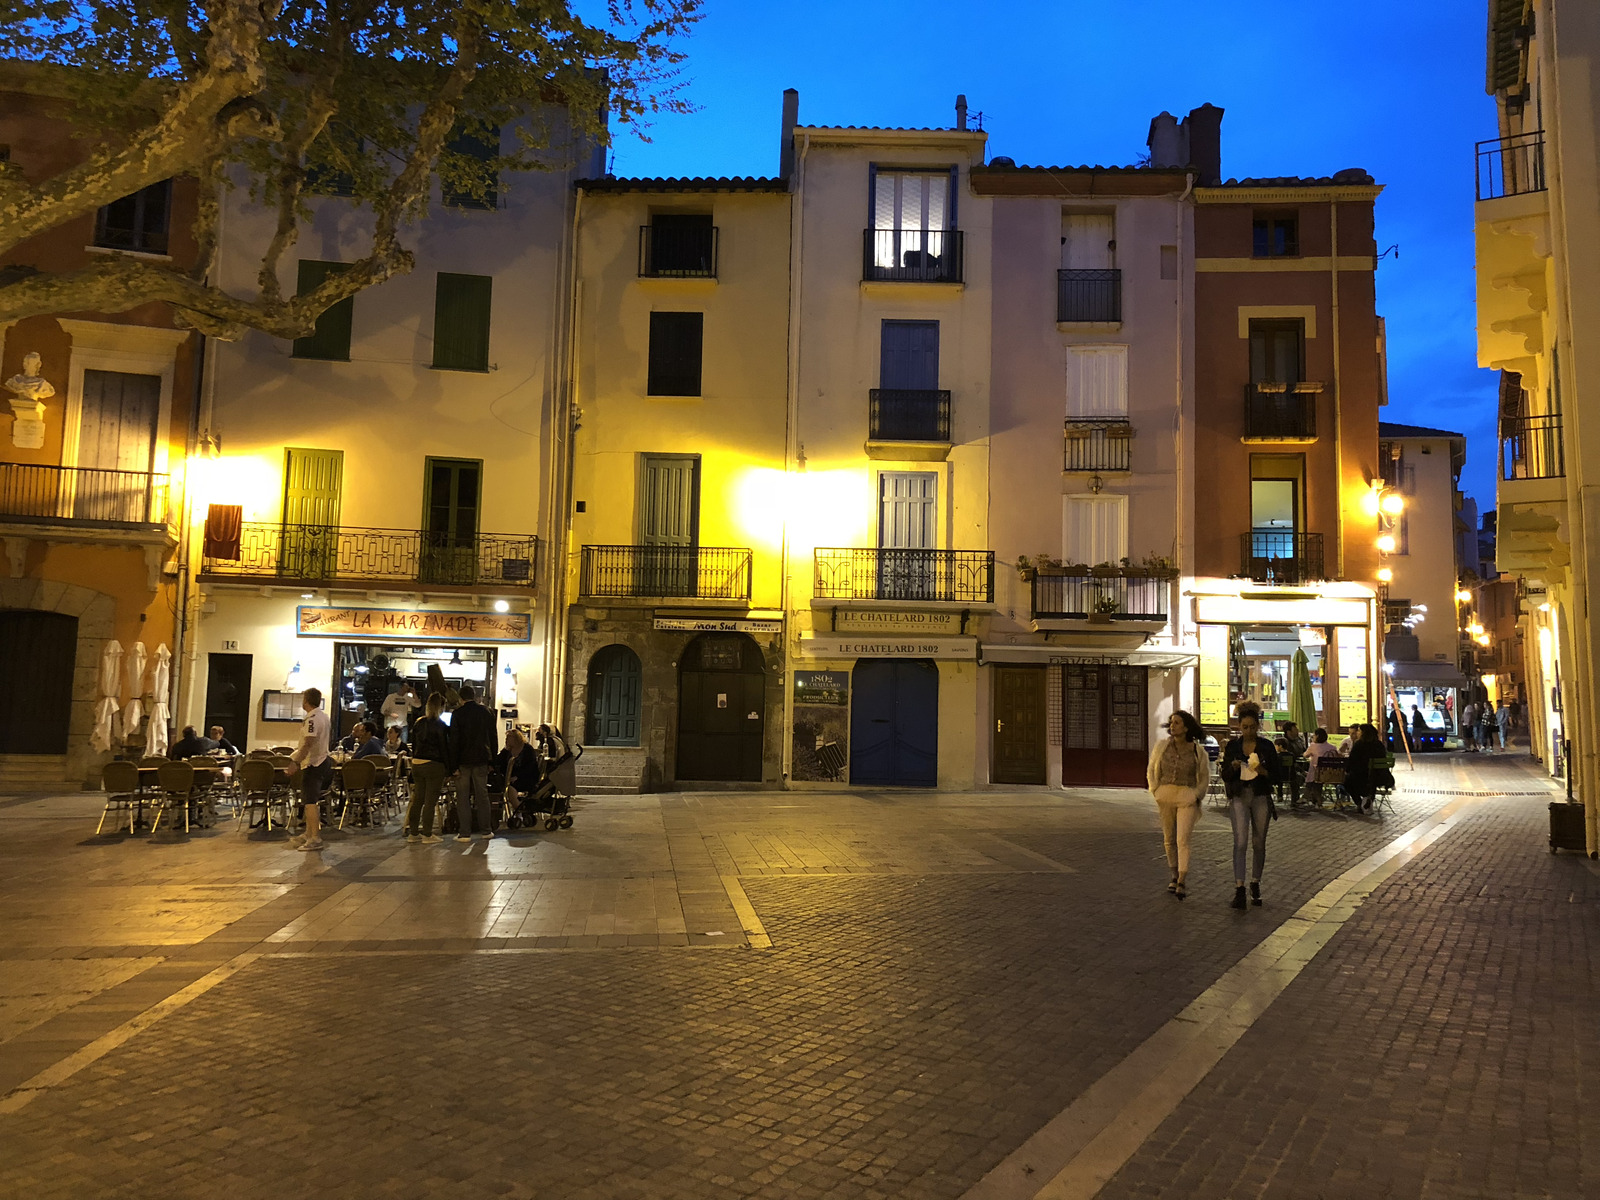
[(177, 789), (121, 783), (360, 785), (258, 788)]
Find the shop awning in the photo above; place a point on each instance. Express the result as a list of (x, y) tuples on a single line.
[(1429, 674), (1095, 651)]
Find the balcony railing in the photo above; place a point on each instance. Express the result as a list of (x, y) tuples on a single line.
[(678, 252), (1274, 556), (49, 495), (1098, 444), (908, 415), (1511, 166), (1281, 411), (912, 255), (1088, 295), (860, 573), (678, 572), (321, 554), (1530, 447), (1116, 598)]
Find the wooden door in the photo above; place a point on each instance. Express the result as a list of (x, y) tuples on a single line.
[(450, 532), (721, 709), (614, 694), (1019, 741), (1105, 732), (116, 446), (228, 696), (37, 654), (669, 525), (894, 723), (312, 487)]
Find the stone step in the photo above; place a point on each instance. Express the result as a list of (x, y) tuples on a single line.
[(600, 789)]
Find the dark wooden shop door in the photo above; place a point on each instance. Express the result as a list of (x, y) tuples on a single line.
[(1105, 733), (37, 653), (614, 693), (228, 696), (1019, 753), (722, 700)]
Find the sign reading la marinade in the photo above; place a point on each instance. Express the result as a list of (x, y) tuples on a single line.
[(414, 625)]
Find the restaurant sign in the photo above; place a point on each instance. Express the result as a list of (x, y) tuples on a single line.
[(718, 625), (889, 647), (413, 625)]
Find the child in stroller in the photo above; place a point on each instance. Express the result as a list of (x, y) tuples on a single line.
[(537, 781)]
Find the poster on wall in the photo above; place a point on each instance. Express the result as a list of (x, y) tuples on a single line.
[(821, 727), (1214, 675), (1354, 701)]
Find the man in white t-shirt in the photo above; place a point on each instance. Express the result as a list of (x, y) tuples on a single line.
[(397, 707), (314, 766)]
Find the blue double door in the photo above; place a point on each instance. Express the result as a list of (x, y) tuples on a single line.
[(894, 723)]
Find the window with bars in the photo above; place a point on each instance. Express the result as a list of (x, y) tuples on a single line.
[(461, 322), (330, 340), (676, 343)]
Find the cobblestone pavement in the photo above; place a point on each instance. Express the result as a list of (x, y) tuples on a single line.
[(782, 994)]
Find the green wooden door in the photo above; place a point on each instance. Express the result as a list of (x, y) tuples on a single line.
[(450, 530), (669, 525), (312, 483)]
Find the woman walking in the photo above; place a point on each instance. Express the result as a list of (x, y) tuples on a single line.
[(432, 761), (1249, 769), (1178, 775)]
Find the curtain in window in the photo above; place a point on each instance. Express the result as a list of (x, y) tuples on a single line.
[(1095, 529)]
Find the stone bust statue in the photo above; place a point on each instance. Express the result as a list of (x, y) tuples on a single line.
[(29, 391)]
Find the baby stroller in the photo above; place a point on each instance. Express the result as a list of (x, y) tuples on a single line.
[(550, 800)]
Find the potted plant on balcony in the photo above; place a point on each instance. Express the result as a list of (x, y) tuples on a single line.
[(1048, 563), (1103, 608), (1026, 569), (1105, 570)]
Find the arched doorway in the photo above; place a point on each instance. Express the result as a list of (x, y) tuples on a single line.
[(894, 722), (614, 690), (722, 695), (37, 652)]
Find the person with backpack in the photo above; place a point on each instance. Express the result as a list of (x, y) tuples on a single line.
[(433, 760)]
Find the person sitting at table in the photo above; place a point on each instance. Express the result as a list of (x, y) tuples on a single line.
[(1367, 757), (517, 765), (394, 743), (191, 744), (1291, 743), (366, 743), (219, 741)]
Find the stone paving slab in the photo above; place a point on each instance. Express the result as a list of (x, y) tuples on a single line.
[(946, 974)]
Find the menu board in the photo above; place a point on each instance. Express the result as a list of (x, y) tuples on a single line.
[(1354, 699), (1214, 675)]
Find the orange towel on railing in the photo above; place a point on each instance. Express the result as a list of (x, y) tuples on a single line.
[(224, 529)]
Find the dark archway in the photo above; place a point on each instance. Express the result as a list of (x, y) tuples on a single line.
[(37, 652), (722, 699), (614, 697)]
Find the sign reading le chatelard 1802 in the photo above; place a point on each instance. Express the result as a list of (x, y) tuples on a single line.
[(411, 626)]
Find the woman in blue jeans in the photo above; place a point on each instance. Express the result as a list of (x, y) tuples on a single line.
[(1250, 768)]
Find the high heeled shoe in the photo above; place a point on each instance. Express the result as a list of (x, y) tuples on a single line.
[(1238, 896)]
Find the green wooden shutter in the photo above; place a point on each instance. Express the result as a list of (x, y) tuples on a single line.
[(331, 338), (312, 484), (461, 322)]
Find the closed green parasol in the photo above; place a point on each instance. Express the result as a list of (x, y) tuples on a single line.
[(1302, 702)]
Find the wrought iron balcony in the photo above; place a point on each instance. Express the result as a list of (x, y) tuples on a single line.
[(861, 573), (908, 415), (81, 496), (1511, 166), (678, 251), (1531, 448), (1088, 295), (1121, 597), (324, 554), (675, 572), (1098, 444), (912, 255), (1278, 556), (1281, 412)]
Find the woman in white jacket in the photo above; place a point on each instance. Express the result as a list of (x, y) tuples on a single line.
[(1178, 774)]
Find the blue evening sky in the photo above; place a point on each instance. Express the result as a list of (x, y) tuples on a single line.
[(1310, 87)]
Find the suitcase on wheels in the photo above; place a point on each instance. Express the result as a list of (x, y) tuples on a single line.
[(1567, 828)]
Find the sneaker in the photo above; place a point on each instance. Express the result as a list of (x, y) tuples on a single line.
[(316, 845), (413, 837), (429, 840)]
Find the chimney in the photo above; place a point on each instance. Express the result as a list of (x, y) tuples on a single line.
[(791, 118), (1169, 145), (1203, 126), (961, 111)]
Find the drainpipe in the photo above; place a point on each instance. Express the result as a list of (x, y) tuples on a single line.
[(1338, 423), (185, 650), (560, 493), (1180, 434), (791, 449)]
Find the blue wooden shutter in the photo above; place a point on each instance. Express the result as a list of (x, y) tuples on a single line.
[(910, 355)]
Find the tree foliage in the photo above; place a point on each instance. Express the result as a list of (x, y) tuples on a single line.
[(372, 99)]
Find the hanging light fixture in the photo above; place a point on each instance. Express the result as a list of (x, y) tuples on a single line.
[(455, 658)]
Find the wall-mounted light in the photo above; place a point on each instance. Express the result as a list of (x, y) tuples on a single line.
[(1386, 544), (1392, 503), (1385, 575), (502, 606), (1464, 597)]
